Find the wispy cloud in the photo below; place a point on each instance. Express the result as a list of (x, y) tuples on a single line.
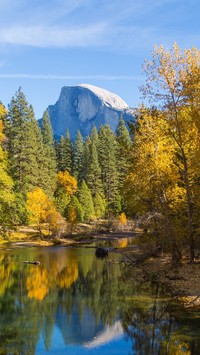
[(114, 25), (40, 36), (68, 77)]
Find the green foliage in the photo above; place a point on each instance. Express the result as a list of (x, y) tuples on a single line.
[(18, 210), (107, 149), (86, 201), (99, 205), (74, 210), (64, 153), (123, 152), (49, 160), (93, 176), (78, 150), (21, 148)]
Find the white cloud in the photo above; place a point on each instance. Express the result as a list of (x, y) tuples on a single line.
[(40, 36), (119, 25)]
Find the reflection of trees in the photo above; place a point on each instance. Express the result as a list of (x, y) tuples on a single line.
[(156, 325), (146, 322), (37, 283), (121, 243), (68, 275), (6, 270), (72, 294)]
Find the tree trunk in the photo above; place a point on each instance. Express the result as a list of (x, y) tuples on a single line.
[(189, 213)]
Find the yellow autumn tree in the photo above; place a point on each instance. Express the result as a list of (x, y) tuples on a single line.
[(41, 210), (55, 221), (152, 186), (173, 82), (6, 183), (122, 218), (66, 187)]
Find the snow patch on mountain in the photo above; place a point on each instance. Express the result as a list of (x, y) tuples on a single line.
[(108, 98)]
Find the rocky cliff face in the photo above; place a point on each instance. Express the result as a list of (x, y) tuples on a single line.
[(84, 106)]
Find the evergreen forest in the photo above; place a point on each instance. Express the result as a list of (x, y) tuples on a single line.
[(149, 171)]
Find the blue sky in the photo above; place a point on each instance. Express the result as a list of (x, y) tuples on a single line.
[(45, 45)]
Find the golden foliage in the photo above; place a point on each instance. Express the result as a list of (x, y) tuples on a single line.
[(121, 243), (37, 205), (72, 217), (68, 275), (42, 210), (66, 181), (54, 219), (37, 283), (122, 218)]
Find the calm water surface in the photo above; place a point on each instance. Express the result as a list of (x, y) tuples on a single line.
[(73, 303)]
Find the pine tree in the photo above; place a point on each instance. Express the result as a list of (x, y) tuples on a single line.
[(86, 202), (94, 136), (108, 162), (93, 176), (99, 205), (123, 154), (49, 155), (86, 158), (78, 150), (65, 153), (22, 132)]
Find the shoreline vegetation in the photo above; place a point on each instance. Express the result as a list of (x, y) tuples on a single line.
[(181, 280)]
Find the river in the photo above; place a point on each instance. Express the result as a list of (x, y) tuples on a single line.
[(74, 303)]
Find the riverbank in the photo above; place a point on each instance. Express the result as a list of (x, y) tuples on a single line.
[(182, 281)]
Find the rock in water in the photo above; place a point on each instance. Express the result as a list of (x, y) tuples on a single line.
[(101, 252)]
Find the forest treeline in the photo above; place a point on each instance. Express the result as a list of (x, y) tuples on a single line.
[(44, 180), (155, 175)]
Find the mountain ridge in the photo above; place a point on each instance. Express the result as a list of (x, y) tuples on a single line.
[(83, 106)]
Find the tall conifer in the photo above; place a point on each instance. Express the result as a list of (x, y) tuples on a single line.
[(22, 132), (86, 201), (65, 153), (108, 162), (93, 177), (123, 149), (78, 151), (49, 154)]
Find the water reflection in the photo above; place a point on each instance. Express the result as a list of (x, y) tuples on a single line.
[(74, 301)]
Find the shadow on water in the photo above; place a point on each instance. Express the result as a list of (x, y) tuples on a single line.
[(75, 303)]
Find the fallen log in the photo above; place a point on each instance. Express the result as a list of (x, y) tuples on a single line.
[(31, 262)]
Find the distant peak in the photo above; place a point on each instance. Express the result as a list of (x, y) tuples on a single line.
[(109, 99)]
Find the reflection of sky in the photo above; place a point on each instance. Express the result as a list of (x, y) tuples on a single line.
[(117, 346)]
